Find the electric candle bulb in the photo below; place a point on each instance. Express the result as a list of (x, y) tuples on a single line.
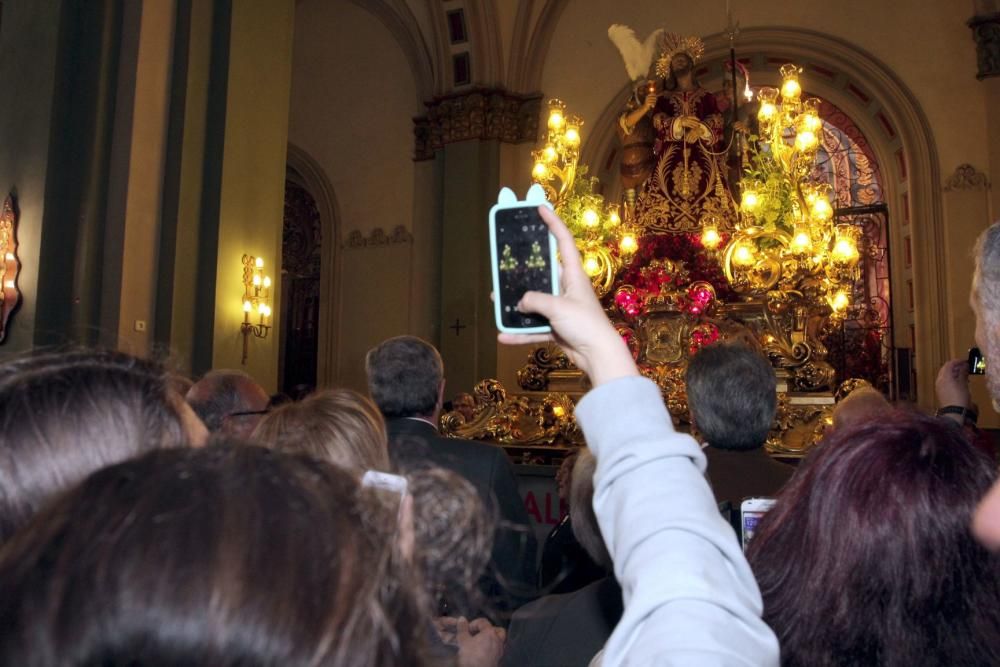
[(555, 120), (840, 301), (591, 265), (247, 306), (628, 244), (710, 237), (572, 136), (805, 140), (590, 217), (267, 281), (791, 89), (821, 209), (260, 263), (540, 171), (742, 255), (801, 242), (766, 111)]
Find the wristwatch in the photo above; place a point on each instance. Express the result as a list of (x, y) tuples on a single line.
[(967, 414)]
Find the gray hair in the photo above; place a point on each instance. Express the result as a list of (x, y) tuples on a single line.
[(986, 281), (731, 395), (986, 292), (581, 495), (217, 395), (404, 376)]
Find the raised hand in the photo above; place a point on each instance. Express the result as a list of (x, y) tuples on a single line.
[(578, 322)]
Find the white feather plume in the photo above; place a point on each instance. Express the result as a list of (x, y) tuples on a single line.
[(638, 56)]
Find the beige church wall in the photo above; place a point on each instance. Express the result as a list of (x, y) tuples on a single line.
[(967, 209), (374, 310), (253, 175), (352, 104), (25, 135)]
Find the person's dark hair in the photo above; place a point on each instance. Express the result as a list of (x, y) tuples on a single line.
[(585, 526), (231, 554), (453, 535), (731, 392), (66, 413), (219, 394), (404, 376), (867, 557)]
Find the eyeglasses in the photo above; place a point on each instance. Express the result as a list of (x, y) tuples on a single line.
[(248, 413)]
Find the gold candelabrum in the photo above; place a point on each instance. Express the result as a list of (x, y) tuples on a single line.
[(785, 239), (605, 243), (256, 298)]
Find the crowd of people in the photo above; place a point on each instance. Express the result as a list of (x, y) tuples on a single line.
[(146, 520)]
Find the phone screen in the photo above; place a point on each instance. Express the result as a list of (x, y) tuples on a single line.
[(750, 521), (751, 512), (977, 362), (523, 263)]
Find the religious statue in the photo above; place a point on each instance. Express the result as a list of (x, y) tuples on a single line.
[(687, 174)]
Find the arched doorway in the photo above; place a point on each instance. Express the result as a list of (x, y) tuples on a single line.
[(898, 139), (301, 259), (310, 240)]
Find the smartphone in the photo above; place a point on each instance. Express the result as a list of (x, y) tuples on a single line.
[(524, 258), (977, 362), (752, 510)]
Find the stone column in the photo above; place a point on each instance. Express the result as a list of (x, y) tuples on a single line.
[(465, 135)]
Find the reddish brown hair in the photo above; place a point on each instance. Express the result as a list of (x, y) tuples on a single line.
[(867, 557)]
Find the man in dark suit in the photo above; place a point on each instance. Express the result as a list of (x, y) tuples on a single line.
[(731, 392), (406, 381), (568, 629)]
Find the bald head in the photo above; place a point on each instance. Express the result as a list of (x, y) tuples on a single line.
[(228, 401), (862, 404)]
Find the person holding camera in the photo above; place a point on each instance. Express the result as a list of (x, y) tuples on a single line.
[(689, 594)]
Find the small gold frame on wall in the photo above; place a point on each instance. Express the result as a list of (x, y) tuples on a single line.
[(10, 266)]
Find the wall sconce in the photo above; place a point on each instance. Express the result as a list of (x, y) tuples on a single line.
[(256, 299), (10, 297)]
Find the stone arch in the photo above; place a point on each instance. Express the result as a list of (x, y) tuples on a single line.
[(304, 170), (396, 16), (888, 114), (528, 58)]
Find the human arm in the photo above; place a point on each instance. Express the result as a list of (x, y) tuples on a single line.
[(478, 642), (690, 597), (629, 119), (952, 389)]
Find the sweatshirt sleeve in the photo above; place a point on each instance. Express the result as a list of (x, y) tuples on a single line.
[(690, 596)]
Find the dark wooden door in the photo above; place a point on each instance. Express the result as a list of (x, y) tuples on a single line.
[(300, 290)]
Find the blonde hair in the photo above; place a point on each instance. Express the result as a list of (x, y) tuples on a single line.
[(340, 426)]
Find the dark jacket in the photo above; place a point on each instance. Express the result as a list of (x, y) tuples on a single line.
[(735, 475), (564, 630), (413, 441)]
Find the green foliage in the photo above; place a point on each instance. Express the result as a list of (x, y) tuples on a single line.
[(778, 198), (580, 198)]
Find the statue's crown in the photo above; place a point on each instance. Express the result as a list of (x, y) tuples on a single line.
[(671, 44)]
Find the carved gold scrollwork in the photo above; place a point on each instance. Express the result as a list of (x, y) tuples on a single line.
[(515, 420), (534, 376)]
